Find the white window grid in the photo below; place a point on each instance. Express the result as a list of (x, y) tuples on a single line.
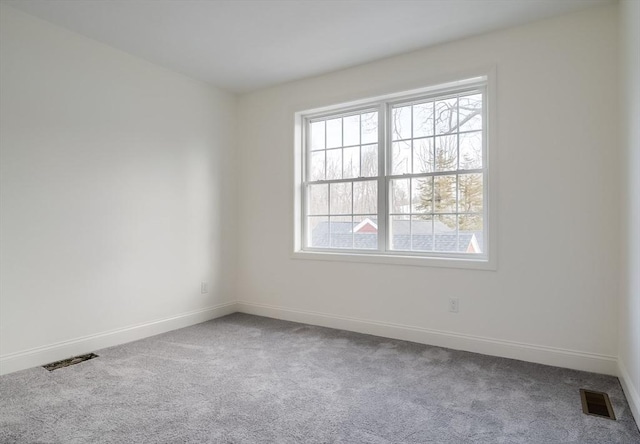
[(385, 175)]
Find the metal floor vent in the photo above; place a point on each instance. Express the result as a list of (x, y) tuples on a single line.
[(596, 404), (71, 361)]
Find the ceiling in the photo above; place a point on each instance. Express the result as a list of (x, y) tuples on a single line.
[(245, 45)]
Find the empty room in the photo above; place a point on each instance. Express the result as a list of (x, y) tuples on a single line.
[(320, 221)]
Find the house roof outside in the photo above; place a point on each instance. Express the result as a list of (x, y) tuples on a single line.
[(419, 237)]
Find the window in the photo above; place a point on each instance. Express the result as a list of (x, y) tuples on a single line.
[(401, 176)]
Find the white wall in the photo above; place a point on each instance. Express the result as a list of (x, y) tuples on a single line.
[(118, 187), (629, 348), (553, 298), (116, 195)]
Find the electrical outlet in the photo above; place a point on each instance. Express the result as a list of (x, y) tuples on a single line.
[(454, 305), (203, 288)]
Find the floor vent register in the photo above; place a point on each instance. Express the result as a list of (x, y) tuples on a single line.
[(596, 404), (71, 361)]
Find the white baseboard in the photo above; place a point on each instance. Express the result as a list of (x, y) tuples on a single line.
[(495, 347), (630, 390), (590, 362), (61, 350)]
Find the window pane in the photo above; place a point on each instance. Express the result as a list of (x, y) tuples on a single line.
[(334, 164), (401, 123), (444, 194), (369, 161), (423, 156), (318, 199), (470, 194), (316, 169), (470, 112), (399, 196), (470, 222), (423, 120), (444, 224), (441, 138), (401, 157), (446, 114), (422, 233), (446, 153), (422, 195), (352, 130), (341, 235), (400, 227), (317, 135), (365, 233), (471, 239), (351, 162), (445, 234), (318, 231), (471, 150), (340, 200), (334, 133), (365, 197), (369, 123)]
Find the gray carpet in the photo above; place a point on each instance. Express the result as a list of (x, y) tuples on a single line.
[(247, 379)]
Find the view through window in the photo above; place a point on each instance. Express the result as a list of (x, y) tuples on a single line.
[(399, 177)]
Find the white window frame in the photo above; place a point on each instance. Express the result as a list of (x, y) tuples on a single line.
[(383, 104)]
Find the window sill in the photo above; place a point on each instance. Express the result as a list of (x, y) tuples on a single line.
[(389, 259)]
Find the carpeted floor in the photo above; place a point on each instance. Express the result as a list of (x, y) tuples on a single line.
[(247, 379)]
